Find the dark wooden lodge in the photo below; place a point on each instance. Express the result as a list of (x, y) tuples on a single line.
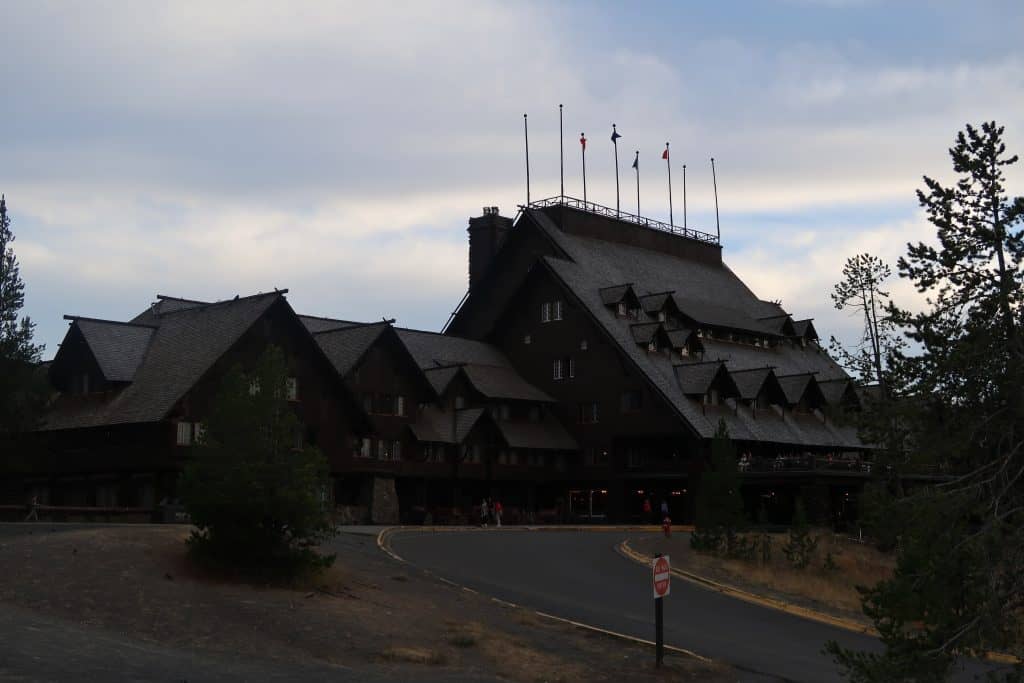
[(587, 368)]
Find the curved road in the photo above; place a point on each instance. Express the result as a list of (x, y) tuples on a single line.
[(579, 576)]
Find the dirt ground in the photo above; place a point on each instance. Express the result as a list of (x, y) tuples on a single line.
[(367, 612), (832, 591)]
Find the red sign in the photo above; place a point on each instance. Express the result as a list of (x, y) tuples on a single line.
[(662, 576)]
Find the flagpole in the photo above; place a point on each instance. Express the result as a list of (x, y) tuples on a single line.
[(615, 143), (526, 138), (684, 198), (583, 151), (561, 151), (636, 165), (714, 180), (668, 165)]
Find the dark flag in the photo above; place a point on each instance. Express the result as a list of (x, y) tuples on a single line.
[(636, 167), (583, 141), (583, 154), (615, 144), (636, 161), (664, 155)]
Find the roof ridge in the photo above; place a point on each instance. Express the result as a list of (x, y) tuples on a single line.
[(109, 322), (333, 320), (166, 297), (204, 306), (353, 326)]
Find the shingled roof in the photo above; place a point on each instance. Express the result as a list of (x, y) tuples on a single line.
[(118, 347), (749, 382), (345, 346), (431, 349), (498, 382), (704, 289), (180, 350)]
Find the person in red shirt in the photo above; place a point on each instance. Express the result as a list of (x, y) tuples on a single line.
[(647, 510), (497, 512)]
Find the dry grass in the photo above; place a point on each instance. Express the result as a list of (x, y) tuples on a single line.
[(856, 564), (413, 655)]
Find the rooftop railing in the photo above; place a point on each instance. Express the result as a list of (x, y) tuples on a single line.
[(599, 210)]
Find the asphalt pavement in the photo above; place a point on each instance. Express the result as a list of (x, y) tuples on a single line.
[(578, 575)]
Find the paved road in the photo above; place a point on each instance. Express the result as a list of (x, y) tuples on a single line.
[(579, 576)]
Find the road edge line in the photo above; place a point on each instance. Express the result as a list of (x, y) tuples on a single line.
[(625, 550), (384, 544)]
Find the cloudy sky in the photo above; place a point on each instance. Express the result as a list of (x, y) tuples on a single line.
[(206, 149)]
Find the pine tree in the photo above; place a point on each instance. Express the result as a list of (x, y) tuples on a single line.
[(253, 489), (959, 584), (719, 505), (21, 392), (862, 289)]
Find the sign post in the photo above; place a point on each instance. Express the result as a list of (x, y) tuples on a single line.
[(662, 575)]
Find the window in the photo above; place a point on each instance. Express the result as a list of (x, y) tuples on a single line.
[(400, 405), (254, 386), (387, 404), (572, 367), (505, 413), (184, 434), (80, 383), (291, 389), (556, 369), (460, 402), (652, 346), (711, 398), (198, 432), (297, 444), (631, 401), (597, 456), (620, 309), (661, 316), (383, 449), (396, 450), (527, 339), (365, 447), (368, 403), (557, 307), (634, 458), (583, 345), (545, 312), (588, 413)]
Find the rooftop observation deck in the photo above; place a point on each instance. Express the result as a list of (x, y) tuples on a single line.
[(614, 214)]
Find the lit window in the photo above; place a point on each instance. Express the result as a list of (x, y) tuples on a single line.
[(199, 432), (661, 316), (254, 386), (556, 369), (184, 434), (558, 310), (572, 367), (400, 405), (291, 389), (652, 346), (396, 451), (620, 309), (545, 312), (583, 345), (527, 339), (366, 447), (383, 449)]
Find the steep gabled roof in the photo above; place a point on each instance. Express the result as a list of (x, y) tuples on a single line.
[(437, 426), (679, 336), (652, 303), (781, 325), (165, 304), (750, 382), (643, 333), (181, 350), (797, 387), (616, 293), (695, 379), (345, 346), (836, 391), (117, 347), (715, 315), (441, 377), (805, 329)]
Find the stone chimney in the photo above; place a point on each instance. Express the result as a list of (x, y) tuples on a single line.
[(486, 235)]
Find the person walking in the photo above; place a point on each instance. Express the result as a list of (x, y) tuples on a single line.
[(498, 510), (483, 512), (33, 510), (648, 511), (664, 508)]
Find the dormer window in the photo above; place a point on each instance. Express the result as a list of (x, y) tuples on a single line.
[(662, 317), (621, 310), (254, 386), (556, 308), (460, 402), (652, 346), (683, 351), (291, 389)]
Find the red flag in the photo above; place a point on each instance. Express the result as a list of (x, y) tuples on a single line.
[(664, 155), (583, 142)]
